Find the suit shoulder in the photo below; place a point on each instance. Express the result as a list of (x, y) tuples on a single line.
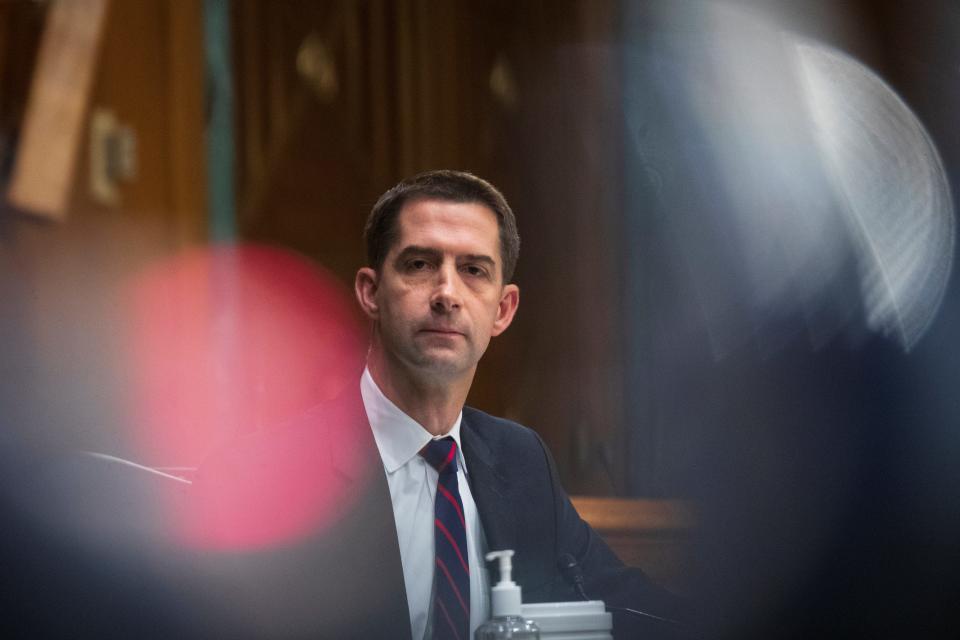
[(334, 425), (495, 429), (482, 420)]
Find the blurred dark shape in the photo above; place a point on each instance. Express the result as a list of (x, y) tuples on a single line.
[(772, 382), (83, 554)]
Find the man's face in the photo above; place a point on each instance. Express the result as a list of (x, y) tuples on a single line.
[(439, 296)]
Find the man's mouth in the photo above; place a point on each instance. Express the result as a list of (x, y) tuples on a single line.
[(441, 331)]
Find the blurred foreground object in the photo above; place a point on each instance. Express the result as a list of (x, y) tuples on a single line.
[(793, 306), (892, 186), (232, 339), (210, 344), (797, 185), (46, 159)]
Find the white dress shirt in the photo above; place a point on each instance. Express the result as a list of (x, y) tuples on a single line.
[(413, 486)]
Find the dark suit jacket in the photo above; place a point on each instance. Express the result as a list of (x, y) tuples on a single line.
[(344, 579)]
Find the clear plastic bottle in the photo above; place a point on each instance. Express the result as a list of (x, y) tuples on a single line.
[(507, 627), (507, 621)]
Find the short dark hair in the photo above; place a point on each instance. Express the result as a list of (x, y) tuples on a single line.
[(380, 232)]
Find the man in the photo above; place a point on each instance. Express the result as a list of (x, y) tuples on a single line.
[(440, 483), (441, 249)]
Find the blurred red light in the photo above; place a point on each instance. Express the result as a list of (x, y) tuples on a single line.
[(232, 340)]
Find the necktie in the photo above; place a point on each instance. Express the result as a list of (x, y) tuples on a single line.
[(451, 574)]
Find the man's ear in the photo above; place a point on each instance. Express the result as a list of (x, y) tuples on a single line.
[(365, 288), (509, 301)]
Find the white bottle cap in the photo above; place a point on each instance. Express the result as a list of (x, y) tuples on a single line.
[(505, 595)]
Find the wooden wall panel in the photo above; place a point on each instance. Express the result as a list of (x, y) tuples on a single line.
[(185, 100), (69, 276), (21, 29), (523, 94), (555, 153), (656, 535)]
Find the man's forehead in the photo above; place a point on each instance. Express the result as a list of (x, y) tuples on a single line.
[(433, 203), (465, 222)]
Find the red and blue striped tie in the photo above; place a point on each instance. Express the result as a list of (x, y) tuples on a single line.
[(451, 575)]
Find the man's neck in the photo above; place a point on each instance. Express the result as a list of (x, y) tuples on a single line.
[(434, 405)]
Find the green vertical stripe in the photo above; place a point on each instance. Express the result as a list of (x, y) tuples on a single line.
[(219, 78)]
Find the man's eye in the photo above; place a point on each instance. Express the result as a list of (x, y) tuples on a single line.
[(474, 270), (417, 265)]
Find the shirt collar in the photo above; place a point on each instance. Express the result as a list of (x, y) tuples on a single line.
[(399, 437)]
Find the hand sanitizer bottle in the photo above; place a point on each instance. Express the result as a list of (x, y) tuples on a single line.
[(505, 604)]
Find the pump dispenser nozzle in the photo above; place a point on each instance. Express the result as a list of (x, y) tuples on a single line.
[(505, 595), (507, 622)]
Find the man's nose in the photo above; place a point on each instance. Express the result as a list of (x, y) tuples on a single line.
[(446, 293)]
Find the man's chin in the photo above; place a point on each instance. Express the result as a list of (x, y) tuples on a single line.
[(443, 365)]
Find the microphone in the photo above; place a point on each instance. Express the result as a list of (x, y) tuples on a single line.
[(573, 574)]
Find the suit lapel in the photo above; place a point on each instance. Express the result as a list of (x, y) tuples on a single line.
[(489, 488), (350, 456), (359, 472)]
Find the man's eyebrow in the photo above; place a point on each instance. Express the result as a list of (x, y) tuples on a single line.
[(478, 257), (416, 251)]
